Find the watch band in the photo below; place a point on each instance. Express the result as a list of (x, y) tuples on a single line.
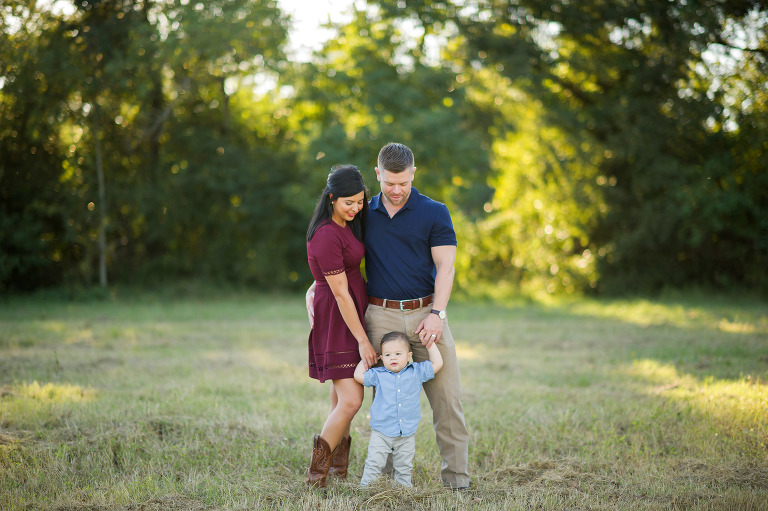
[(440, 314)]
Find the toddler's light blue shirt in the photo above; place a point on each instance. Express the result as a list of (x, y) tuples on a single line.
[(396, 408)]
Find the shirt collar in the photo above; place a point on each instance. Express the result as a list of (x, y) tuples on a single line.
[(409, 364)]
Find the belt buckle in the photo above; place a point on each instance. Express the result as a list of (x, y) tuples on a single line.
[(402, 304)]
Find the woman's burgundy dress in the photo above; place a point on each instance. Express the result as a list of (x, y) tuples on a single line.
[(333, 350)]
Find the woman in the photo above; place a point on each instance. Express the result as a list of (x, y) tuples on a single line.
[(337, 341)]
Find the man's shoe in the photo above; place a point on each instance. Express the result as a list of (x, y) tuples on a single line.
[(459, 488)]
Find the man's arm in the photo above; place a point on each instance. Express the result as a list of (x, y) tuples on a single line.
[(310, 299), (444, 257), (435, 357)]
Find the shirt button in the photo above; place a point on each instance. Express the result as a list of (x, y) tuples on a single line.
[(399, 404)]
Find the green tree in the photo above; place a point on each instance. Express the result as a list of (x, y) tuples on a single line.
[(36, 245), (133, 97), (374, 84), (631, 119)]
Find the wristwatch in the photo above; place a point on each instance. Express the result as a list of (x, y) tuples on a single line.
[(440, 314)]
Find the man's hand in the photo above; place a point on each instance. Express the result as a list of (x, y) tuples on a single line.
[(430, 329), (310, 298)]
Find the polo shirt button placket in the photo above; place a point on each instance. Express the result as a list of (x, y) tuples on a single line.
[(399, 421)]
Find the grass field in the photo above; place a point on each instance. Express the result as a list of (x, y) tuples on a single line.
[(179, 403)]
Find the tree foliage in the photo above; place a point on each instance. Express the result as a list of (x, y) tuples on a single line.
[(623, 160), (371, 85), (188, 191), (582, 146)]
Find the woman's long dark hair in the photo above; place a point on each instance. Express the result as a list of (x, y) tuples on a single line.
[(343, 181)]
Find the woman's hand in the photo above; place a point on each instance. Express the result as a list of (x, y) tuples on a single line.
[(368, 354)]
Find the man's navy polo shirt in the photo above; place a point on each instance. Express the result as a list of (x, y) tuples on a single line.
[(398, 256)]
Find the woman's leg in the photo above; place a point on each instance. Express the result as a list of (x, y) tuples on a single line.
[(349, 398), (334, 402)]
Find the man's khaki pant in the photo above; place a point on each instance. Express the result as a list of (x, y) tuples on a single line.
[(443, 391)]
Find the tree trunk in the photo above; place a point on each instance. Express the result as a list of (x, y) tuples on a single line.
[(102, 203)]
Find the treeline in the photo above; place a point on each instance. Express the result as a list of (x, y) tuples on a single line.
[(582, 146)]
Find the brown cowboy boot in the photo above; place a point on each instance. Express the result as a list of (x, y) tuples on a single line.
[(321, 462), (340, 458)]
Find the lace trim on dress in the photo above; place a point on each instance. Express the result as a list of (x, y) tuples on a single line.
[(331, 367), (341, 366), (333, 272), (327, 367)]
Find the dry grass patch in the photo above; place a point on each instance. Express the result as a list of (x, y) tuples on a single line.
[(153, 404)]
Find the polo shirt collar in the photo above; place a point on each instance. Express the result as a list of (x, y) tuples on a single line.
[(413, 199)]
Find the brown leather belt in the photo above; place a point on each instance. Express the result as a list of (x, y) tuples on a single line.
[(403, 305)]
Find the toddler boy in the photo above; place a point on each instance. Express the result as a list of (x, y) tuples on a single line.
[(396, 408)]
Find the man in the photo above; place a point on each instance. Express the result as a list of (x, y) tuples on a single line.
[(410, 249)]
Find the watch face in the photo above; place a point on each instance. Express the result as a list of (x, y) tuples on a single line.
[(441, 315)]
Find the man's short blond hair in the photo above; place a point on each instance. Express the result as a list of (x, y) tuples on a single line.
[(395, 157)]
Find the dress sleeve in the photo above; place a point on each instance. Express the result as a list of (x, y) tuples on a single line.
[(326, 246)]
